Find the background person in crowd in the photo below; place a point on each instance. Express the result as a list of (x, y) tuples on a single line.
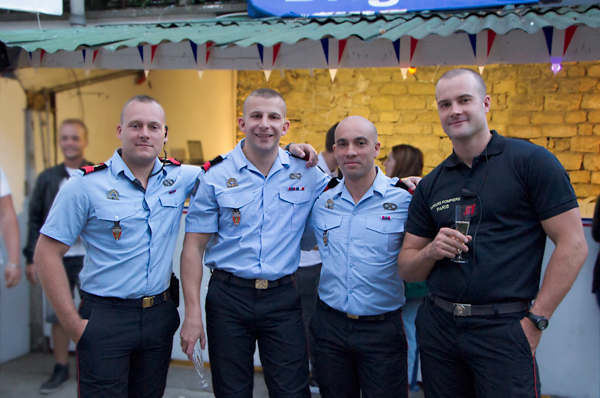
[(404, 161), (246, 220), (309, 269), (476, 331), (596, 236), (72, 140), (9, 226), (358, 225), (127, 210)]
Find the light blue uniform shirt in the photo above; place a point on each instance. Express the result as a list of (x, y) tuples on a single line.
[(139, 263), (360, 270), (273, 212)]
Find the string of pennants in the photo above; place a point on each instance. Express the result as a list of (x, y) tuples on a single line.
[(557, 42)]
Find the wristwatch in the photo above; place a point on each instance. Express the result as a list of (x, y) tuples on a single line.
[(540, 322)]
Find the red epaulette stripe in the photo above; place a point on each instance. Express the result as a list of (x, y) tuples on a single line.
[(206, 166), (174, 161), (91, 169)]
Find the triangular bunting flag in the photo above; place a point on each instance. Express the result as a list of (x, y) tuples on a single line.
[(268, 57), (405, 50), (558, 41), (201, 60), (153, 52), (333, 50), (482, 43)]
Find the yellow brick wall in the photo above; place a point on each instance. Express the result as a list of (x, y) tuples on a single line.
[(560, 113)]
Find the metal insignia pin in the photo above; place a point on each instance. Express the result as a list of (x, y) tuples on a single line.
[(329, 204), (295, 176), (236, 216), (112, 195), (168, 182), (232, 182), (390, 206), (116, 230)]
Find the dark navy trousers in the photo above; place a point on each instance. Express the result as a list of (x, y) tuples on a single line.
[(356, 354), (125, 351), (236, 318), (475, 356)]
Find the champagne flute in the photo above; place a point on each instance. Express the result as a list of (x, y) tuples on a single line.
[(462, 220), (199, 364)]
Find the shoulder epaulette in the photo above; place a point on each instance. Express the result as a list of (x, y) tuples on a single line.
[(402, 185), (172, 161), (211, 163), (332, 184), (91, 169)]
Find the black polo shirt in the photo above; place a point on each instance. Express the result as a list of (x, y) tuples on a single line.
[(518, 184)]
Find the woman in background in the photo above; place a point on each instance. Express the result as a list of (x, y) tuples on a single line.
[(405, 161)]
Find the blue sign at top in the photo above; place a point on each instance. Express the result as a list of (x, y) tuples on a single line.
[(325, 8)]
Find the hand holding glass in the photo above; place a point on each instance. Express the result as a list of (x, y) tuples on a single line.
[(462, 221), (199, 364)]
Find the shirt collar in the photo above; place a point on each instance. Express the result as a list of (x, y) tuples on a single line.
[(494, 147), (117, 165), (379, 185), (240, 160)]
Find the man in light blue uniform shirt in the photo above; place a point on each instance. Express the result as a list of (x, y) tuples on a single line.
[(127, 212), (358, 225), (247, 219)]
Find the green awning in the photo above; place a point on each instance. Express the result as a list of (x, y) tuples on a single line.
[(245, 32)]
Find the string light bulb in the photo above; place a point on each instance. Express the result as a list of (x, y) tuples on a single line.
[(412, 70)]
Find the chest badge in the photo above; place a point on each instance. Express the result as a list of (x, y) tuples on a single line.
[(329, 204), (168, 182), (390, 206), (112, 195), (236, 216), (116, 230), (295, 176), (232, 182)]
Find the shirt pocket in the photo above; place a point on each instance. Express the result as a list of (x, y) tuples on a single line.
[(294, 207), (236, 201), (384, 237), (329, 229), (115, 213), (170, 209)]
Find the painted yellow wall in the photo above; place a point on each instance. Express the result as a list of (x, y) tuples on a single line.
[(196, 109)]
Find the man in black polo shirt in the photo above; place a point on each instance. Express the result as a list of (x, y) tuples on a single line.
[(476, 332)]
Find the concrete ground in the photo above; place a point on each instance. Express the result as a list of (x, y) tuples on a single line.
[(22, 377)]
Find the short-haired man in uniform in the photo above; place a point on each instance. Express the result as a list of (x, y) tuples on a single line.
[(72, 140), (247, 219), (127, 212), (476, 331), (358, 225)]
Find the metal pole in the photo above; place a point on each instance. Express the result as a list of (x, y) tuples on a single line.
[(77, 13)]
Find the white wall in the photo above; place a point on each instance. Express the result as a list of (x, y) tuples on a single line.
[(14, 303)]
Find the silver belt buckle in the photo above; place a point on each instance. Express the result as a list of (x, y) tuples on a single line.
[(352, 316), (261, 284), (462, 309)]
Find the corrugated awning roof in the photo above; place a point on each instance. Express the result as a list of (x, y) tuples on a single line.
[(245, 32)]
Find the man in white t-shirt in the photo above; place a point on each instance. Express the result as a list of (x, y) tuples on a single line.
[(72, 140), (9, 226), (309, 270)]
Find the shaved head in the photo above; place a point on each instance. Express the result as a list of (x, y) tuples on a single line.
[(480, 84), (360, 123)]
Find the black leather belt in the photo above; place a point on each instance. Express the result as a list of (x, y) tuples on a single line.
[(459, 309), (260, 284), (143, 302), (380, 317)]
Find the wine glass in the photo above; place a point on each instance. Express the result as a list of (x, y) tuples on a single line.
[(199, 364), (462, 220)]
